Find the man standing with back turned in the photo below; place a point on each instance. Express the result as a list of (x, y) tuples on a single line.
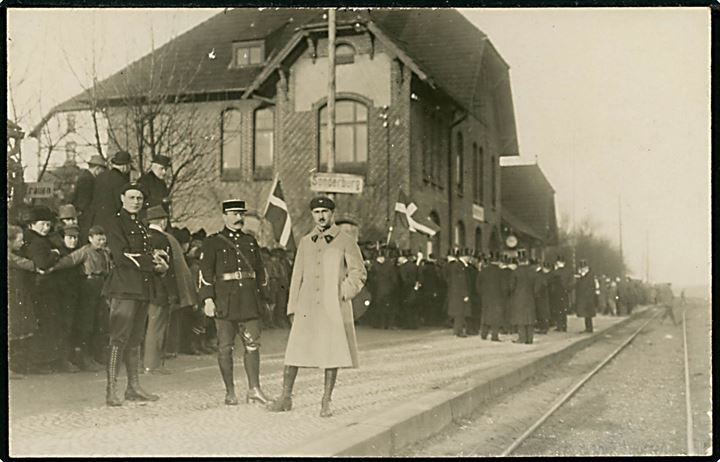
[(328, 273)]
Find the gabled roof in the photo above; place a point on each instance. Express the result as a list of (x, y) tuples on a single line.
[(528, 195), (442, 42)]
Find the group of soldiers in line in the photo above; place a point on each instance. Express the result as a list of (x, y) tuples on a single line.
[(490, 293), (58, 264)]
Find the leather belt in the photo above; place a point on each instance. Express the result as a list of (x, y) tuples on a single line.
[(237, 275)]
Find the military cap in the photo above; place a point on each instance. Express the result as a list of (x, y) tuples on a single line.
[(40, 213), (67, 211), (322, 202), (560, 258), (97, 159), (161, 160), (70, 230), (233, 205), (135, 186), (121, 158), (156, 212)]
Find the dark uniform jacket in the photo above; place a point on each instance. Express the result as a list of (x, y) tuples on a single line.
[(585, 295), (106, 197), (131, 277), (458, 292), (157, 191), (523, 288), (166, 289), (492, 287), (561, 283), (221, 262), (542, 297)]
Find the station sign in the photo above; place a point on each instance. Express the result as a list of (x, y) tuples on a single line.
[(42, 190), (336, 183)]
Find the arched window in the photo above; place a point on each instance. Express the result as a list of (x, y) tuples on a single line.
[(478, 239), (479, 172), (459, 163), (231, 142), (493, 181), (264, 129), (459, 235), (351, 136), (344, 54)]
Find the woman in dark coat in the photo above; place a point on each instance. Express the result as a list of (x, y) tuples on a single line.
[(49, 344), (21, 316)]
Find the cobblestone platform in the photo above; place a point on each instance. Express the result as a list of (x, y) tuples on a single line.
[(190, 419)]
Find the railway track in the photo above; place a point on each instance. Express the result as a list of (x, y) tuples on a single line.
[(558, 404)]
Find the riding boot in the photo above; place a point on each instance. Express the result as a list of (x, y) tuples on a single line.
[(113, 367), (284, 402), (134, 391), (330, 377), (225, 361), (252, 370)]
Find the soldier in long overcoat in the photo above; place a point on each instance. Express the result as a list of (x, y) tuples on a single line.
[(429, 292), (585, 295), (328, 273), (506, 274), (107, 189), (384, 283), (542, 298), (491, 285), (233, 287), (409, 287), (524, 286), (458, 293), (471, 271), (84, 191), (561, 283)]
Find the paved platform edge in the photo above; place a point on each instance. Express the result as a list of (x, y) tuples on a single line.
[(400, 426)]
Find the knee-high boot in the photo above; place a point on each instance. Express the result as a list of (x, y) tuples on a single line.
[(113, 367), (134, 391), (225, 361), (330, 377), (284, 402), (252, 370)]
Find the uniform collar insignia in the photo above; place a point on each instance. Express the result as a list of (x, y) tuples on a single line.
[(329, 234)]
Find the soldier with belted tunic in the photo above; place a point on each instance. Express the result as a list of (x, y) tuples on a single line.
[(232, 276)]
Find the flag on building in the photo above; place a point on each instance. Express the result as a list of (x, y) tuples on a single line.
[(405, 209), (276, 212)]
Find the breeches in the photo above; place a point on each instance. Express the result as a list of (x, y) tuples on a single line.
[(249, 332), (127, 322)]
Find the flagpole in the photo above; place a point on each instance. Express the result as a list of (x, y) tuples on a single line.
[(272, 190)]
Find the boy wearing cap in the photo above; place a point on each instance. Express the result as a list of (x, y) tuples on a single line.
[(232, 276), (93, 260), (129, 288), (328, 273)]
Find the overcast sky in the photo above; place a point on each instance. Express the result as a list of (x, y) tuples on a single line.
[(623, 92)]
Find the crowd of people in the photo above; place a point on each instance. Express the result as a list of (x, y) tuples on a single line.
[(59, 268), (479, 293)]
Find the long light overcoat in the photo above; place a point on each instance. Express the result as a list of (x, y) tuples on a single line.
[(325, 278)]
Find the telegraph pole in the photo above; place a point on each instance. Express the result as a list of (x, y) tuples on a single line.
[(620, 236), (331, 91), (647, 257)]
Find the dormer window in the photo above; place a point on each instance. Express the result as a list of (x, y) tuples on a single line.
[(344, 54), (248, 54)]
